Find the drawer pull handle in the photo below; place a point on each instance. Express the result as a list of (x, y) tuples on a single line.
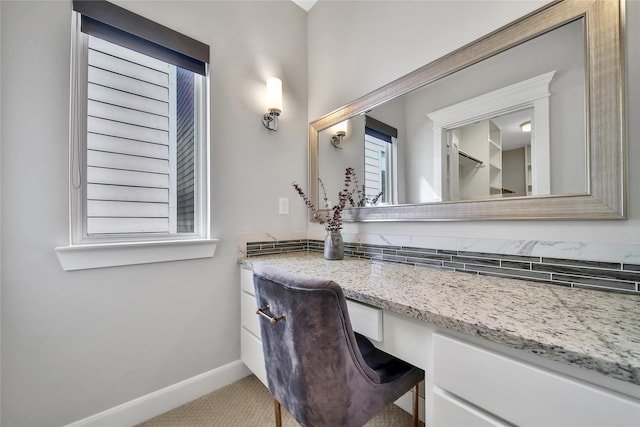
[(271, 319)]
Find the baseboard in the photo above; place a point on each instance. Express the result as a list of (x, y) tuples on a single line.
[(160, 401)]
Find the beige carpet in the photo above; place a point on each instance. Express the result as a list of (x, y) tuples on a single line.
[(249, 403)]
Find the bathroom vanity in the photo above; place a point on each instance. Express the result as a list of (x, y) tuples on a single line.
[(496, 351)]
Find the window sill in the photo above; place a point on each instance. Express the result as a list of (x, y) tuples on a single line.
[(84, 257)]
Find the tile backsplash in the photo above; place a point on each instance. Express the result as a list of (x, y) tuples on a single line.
[(601, 275)]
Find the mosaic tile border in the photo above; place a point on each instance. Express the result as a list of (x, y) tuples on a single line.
[(277, 247), (606, 276)]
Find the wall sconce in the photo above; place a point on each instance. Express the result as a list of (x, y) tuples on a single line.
[(341, 132), (274, 103), (526, 126)]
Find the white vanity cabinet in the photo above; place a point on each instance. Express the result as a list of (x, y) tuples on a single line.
[(474, 383), (470, 382)]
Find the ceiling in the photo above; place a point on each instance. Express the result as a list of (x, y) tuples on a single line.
[(305, 4), (512, 135)]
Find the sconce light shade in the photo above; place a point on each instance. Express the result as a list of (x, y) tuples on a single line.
[(274, 103), (340, 133), (342, 127), (274, 94), (526, 126)]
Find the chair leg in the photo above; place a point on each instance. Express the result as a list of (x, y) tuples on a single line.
[(416, 411), (278, 412)]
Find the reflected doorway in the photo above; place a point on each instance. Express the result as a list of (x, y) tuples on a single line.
[(491, 158)]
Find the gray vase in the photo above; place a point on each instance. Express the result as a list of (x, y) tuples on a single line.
[(333, 245)]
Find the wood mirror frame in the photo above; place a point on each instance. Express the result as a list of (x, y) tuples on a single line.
[(606, 127)]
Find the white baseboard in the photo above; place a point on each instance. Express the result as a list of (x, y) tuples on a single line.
[(160, 401)]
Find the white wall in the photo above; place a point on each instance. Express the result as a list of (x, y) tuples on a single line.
[(77, 343), (514, 170), (0, 220), (345, 43)]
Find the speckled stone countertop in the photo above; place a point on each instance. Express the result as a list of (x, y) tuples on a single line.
[(590, 329)]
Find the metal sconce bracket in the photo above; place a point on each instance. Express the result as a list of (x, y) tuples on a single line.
[(336, 140), (270, 120)]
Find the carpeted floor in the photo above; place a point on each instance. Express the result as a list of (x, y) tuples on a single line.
[(248, 403)]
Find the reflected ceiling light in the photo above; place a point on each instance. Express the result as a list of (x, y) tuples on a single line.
[(274, 103), (340, 133), (525, 126)]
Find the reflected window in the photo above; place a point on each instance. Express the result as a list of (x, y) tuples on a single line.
[(379, 162)]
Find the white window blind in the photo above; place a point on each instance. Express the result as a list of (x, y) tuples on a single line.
[(375, 165), (130, 175)]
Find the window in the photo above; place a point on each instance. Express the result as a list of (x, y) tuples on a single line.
[(139, 130), (379, 162), (140, 167)]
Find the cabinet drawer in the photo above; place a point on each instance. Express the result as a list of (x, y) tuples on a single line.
[(246, 280), (248, 317), (406, 338), (524, 394), (449, 411), (365, 320), (252, 355)]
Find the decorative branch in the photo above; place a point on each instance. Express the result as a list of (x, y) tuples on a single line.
[(331, 218)]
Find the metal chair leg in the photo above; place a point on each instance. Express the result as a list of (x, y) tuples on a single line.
[(278, 412), (416, 414)]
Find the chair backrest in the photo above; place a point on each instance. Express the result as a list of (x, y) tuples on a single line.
[(313, 364)]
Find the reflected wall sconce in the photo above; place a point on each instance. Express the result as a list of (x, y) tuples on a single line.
[(525, 126), (274, 103), (340, 133)]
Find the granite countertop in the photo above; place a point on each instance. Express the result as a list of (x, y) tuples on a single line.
[(590, 329)]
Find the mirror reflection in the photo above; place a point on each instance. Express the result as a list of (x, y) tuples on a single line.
[(484, 162), (462, 137)]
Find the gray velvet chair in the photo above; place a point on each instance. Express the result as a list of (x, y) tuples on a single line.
[(322, 372)]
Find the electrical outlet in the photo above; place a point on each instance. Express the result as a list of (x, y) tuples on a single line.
[(283, 206)]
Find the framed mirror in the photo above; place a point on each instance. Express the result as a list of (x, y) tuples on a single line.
[(449, 142)]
